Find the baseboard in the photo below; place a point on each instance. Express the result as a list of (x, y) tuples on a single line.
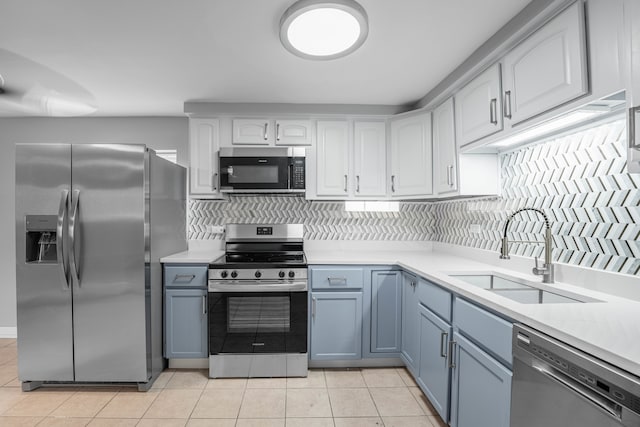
[(8, 332), (189, 363)]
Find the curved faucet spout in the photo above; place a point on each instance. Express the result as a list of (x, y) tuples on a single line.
[(547, 269)]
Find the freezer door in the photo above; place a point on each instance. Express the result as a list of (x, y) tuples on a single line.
[(107, 231), (45, 336)]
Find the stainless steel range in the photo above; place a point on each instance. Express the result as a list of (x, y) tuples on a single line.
[(258, 303)]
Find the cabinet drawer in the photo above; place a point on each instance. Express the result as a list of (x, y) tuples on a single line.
[(486, 329), (435, 298), (337, 278), (183, 276)]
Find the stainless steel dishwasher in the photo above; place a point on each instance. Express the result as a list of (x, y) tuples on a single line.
[(556, 385)]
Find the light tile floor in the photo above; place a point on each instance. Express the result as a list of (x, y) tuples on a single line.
[(326, 398)]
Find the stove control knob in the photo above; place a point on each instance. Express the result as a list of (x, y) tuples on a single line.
[(258, 274), (234, 274), (281, 274), (292, 274), (224, 274)]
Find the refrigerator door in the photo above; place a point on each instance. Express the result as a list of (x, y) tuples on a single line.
[(108, 226), (45, 335)]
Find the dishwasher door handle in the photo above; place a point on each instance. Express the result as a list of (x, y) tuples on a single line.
[(608, 406)]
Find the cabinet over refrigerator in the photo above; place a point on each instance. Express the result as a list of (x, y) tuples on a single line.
[(92, 221)]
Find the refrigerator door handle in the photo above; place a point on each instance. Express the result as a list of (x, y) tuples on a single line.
[(73, 219), (62, 217)]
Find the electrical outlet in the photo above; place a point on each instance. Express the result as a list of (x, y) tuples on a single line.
[(475, 228), (215, 229)]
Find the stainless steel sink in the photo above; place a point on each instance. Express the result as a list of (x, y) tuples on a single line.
[(519, 290)]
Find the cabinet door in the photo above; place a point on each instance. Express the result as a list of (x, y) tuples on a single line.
[(478, 107), (252, 132), (332, 158), (410, 323), (548, 68), (336, 325), (386, 311), (411, 160), (481, 388), (204, 145), (294, 132), (185, 323), (445, 165), (434, 360), (370, 159)]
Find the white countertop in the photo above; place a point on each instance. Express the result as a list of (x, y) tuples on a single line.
[(609, 330), (193, 256)]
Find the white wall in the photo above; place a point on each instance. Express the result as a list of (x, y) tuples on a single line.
[(155, 132)]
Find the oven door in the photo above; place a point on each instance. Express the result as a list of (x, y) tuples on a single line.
[(252, 320), (266, 174)]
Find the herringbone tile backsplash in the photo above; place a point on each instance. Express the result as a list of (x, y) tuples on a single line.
[(322, 220), (578, 180)]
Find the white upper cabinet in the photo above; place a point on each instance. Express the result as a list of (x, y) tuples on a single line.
[(294, 132), (444, 146), (332, 159), (252, 132), (370, 159), (548, 68), (269, 132), (411, 161), (479, 107), (204, 145)]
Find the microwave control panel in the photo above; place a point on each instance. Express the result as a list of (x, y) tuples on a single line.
[(297, 173)]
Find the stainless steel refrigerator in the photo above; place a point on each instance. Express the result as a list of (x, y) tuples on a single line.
[(92, 221)]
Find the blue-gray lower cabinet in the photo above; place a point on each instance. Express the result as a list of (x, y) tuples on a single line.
[(480, 389), (185, 323), (434, 371), (336, 325), (410, 323), (386, 311)]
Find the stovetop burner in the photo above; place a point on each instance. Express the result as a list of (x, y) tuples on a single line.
[(263, 246)]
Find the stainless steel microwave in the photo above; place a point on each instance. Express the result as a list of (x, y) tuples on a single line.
[(262, 170)]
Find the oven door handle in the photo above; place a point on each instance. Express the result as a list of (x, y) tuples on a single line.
[(257, 286)]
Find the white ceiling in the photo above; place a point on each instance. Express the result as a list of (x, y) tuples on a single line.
[(148, 57)]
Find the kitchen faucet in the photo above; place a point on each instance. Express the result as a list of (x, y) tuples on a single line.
[(547, 268)]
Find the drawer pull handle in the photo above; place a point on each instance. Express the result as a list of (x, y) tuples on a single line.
[(313, 308), (204, 304), (337, 280), (184, 278)]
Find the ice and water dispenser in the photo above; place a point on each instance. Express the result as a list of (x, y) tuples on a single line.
[(41, 238)]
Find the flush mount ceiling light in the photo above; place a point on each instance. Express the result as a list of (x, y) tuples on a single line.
[(317, 29)]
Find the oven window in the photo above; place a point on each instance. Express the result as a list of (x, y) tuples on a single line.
[(250, 174), (258, 322), (259, 314)]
